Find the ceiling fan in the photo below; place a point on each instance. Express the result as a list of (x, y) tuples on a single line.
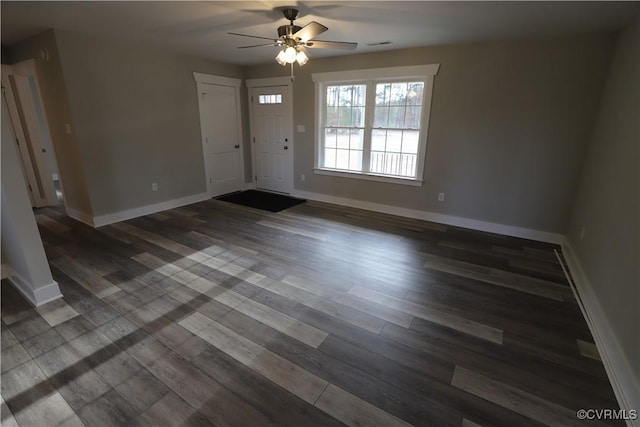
[(295, 40)]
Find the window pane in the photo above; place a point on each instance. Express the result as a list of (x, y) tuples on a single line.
[(342, 159), (396, 117), (329, 158), (381, 117), (394, 141), (414, 94), (330, 138), (393, 163), (332, 95), (332, 117), (410, 142), (358, 117), (378, 140), (360, 96), (412, 118), (382, 94), (398, 93), (356, 139), (355, 160), (343, 138)]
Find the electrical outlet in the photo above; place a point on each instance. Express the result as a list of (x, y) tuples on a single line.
[(302, 177), (154, 186), (584, 230), (441, 197)]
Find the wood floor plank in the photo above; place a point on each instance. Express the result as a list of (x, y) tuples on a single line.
[(367, 306), (283, 323), (469, 423), (337, 310), (154, 238), (217, 403), (99, 286), (514, 399), (354, 411), (517, 368), (284, 373), (439, 317), (284, 408), (8, 420), (496, 277), (51, 224), (367, 384), (172, 410), (294, 230), (57, 312)]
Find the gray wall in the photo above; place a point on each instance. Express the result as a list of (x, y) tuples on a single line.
[(56, 106), (135, 112), (607, 202), (509, 126)]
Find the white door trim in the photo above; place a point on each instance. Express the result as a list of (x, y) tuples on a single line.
[(202, 81), (268, 82)]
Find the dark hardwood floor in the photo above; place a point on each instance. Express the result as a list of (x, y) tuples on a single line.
[(217, 314)]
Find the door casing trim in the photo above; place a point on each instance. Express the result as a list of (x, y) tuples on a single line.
[(202, 81)]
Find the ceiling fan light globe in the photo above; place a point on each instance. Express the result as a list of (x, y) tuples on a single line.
[(302, 58), (280, 58), (290, 55)]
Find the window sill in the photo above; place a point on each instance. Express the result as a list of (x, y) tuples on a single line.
[(369, 177)]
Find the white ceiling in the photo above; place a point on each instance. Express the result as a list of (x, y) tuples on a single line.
[(200, 28)]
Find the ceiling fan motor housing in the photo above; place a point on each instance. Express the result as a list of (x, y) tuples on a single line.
[(288, 30)]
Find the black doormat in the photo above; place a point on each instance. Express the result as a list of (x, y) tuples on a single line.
[(262, 200)]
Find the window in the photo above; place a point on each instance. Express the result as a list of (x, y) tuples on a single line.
[(270, 99), (372, 124)]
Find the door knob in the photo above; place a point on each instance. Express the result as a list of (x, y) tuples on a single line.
[(237, 145), (286, 147)]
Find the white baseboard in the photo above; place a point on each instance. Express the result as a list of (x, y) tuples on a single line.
[(625, 386), (249, 186), (38, 296), (99, 221), (80, 216), (5, 271), (489, 227)]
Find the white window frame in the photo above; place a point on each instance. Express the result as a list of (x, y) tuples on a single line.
[(423, 73)]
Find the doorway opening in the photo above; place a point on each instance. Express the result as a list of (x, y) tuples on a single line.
[(21, 92)]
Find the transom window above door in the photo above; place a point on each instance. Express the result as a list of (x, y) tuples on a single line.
[(372, 124), (275, 98)]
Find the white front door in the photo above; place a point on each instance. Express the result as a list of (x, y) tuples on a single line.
[(222, 138), (272, 133)]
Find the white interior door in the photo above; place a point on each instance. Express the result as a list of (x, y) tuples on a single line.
[(29, 137), (222, 138), (272, 123)]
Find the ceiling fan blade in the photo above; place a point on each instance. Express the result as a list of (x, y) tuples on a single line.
[(321, 44), (255, 37), (309, 31), (259, 45)]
